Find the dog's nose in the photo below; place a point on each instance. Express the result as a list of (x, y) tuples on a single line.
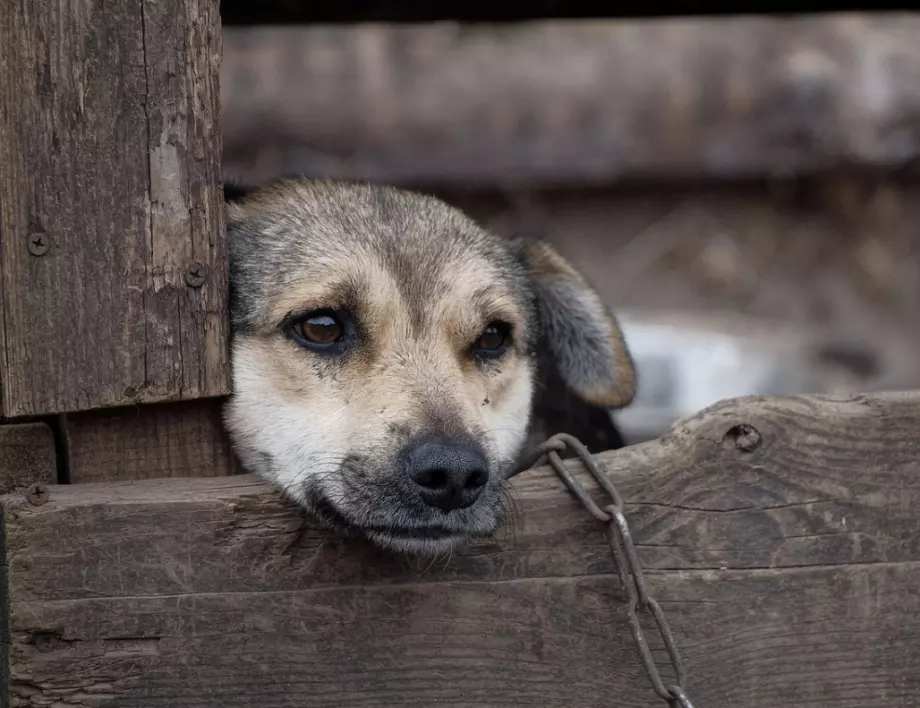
[(449, 475)]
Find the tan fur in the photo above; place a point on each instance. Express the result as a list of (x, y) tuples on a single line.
[(330, 432)]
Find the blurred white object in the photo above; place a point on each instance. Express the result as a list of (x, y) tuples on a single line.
[(687, 362)]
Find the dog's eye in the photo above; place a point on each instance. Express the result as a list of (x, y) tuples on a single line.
[(493, 341), (319, 329)]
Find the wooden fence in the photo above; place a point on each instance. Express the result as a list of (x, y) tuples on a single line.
[(142, 570)]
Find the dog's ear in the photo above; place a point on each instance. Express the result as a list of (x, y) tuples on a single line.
[(579, 333)]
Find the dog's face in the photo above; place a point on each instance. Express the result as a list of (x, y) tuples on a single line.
[(385, 351)]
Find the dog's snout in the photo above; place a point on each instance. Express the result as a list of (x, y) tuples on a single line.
[(449, 475)]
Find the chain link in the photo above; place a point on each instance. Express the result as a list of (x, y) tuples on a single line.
[(626, 560)]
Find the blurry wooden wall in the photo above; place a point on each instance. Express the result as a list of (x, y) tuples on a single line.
[(756, 169)]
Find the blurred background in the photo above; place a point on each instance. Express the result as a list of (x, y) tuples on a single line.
[(742, 190)]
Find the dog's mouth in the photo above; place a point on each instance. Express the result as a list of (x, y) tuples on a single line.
[(427, 538)]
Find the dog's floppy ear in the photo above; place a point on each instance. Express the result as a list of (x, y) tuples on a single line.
[(579, 333)]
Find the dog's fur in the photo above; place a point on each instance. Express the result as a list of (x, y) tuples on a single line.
[(421, 281)]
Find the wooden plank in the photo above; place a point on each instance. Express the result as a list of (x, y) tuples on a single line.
[(117, 108), (184, 439), (771, 638), (572, 102), (786, 554), (27, 456)]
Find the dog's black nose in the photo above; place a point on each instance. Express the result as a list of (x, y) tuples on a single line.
[(449, 475)]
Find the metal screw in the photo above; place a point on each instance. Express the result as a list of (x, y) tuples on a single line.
[(39, 244), (195, 275), (37, 494)]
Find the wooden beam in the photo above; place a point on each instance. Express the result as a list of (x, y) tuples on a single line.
[(111, 217), (27, 456), (184, 439), (572, 102), (786, 554)]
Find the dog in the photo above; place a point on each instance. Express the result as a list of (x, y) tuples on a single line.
[(388, 353)]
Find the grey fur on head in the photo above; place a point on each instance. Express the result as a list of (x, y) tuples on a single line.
[(412, 284)]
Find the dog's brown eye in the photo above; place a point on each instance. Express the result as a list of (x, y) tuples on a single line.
[(320, 329), (493, 341), (492, 338)]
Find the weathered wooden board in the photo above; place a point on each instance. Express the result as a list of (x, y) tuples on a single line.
[(110, 193), (572, 102), (183, 439), (818, 638), (787, 558), (27, 455)]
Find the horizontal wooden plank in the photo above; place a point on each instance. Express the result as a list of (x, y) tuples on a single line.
[(27, 456), (781, 536), (572, 102), (184, 439), (831, 481), (114, 283), (819, 637)]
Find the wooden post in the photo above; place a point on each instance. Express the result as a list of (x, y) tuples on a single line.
[(114, 271)]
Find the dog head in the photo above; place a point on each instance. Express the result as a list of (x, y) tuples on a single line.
[(385, 350)]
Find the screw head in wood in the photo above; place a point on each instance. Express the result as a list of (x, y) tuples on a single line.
[(37, 494), (195, 275), (39, 244)]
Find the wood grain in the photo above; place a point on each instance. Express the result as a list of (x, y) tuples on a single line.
[(27, 455), (110, 151), (780, 535), (575, 102), (817, 638), (183, 439)]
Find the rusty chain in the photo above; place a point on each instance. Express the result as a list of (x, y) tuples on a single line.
[(626, 560)]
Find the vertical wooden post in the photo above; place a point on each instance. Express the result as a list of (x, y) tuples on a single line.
[(114, 275)]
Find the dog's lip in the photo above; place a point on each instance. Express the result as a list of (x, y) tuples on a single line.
[(427, 532), (422, 533)]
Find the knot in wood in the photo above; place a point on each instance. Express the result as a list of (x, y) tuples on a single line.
[(45, 642), (742, 437)]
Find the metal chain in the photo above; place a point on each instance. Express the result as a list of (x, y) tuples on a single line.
[(626, 560)]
